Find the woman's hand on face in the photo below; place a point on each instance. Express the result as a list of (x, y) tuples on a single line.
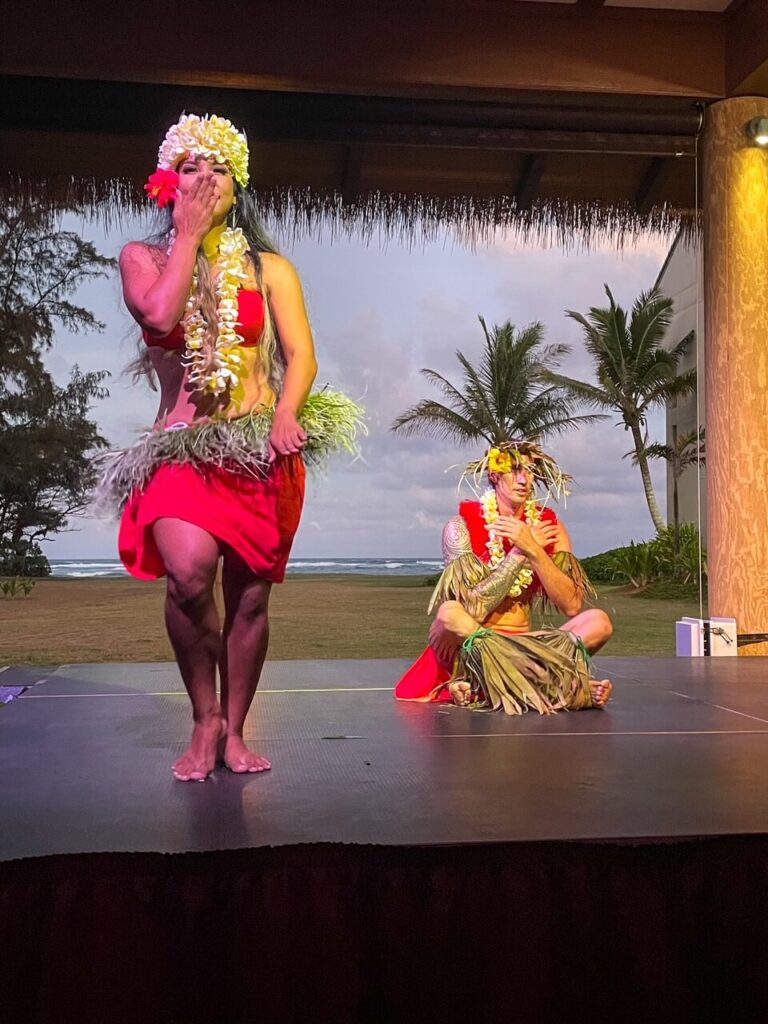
[(193, 208), (287, 436)]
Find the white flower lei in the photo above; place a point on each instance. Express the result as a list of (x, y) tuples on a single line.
[(495, 545), (220, 372)]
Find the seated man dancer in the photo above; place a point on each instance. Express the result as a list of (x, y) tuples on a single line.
[(500, 554)]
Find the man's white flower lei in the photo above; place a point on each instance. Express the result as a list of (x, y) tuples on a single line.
[(220, 371), (495, 545), (214, 138)]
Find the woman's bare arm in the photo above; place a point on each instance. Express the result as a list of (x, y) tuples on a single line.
[(286, 300), (156, 294)]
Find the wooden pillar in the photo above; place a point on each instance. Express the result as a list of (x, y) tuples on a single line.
[(735, 199)]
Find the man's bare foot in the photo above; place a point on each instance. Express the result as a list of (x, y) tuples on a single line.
[(199, 759), (461, 692), (601, 690), (239, 759)]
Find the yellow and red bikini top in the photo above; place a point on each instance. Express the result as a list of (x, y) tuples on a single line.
[(250, 305)]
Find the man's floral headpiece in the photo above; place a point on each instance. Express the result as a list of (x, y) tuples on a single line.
[(507, 456), (214, 138)]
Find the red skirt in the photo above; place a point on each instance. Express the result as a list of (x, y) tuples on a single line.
[(422, 679), (257, 517)]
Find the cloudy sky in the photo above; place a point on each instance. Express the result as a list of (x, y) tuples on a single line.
[(380, 313)]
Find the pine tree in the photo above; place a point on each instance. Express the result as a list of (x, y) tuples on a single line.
[(47, 441)]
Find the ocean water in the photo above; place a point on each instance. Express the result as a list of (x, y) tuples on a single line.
[(86, 568)]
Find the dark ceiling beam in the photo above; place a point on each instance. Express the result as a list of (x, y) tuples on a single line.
[(512, 139), (416, 136), (746, 48), (100, 109), (590, 4), (654, 180), (76, 105), (450, 48), (529, 179)]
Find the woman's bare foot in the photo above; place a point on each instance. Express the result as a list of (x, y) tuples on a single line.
[(199, 759), (601, 690), (461, 692), (239, 759)]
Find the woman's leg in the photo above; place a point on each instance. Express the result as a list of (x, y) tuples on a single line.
[(245, 640), (190, 556)]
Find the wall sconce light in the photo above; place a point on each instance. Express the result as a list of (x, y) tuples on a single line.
[(757, 130)]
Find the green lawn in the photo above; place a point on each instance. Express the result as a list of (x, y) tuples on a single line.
[(643, 626), (311, 617)]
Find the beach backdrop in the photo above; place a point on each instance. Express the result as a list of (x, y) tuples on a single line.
[(76, 568), (380, 313)]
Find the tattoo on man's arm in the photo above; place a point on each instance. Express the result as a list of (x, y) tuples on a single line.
[(490, 592), (456, 540)]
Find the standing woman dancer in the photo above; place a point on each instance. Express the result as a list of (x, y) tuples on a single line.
[(221, 475)]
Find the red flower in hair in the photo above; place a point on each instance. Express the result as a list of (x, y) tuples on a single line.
[(162, 186)]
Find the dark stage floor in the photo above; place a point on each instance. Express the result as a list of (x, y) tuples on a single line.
[(85, 762)]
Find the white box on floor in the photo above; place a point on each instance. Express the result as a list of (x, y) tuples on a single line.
[(715, 637), (689, 638), (722, 636)]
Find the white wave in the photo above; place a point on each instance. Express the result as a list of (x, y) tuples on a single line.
[(312, 565), (86, 565), (371, 564), (90, 575), (432, 564)]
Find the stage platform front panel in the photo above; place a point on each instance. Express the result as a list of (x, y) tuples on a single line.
[(85, 757)]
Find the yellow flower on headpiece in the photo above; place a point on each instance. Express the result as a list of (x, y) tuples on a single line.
[(214, 138), (499, 462)]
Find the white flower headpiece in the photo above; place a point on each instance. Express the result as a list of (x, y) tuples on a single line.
[(214, 138)]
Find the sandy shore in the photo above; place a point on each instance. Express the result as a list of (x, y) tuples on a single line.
[(119, 619)]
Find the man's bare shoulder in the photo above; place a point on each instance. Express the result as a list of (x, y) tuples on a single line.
[(456, 540)]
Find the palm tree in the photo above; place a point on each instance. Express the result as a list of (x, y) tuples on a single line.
[(503, 397), (688, 450), (635, 373)]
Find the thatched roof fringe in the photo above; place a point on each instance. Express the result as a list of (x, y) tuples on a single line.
[(473, 220), (409, 218), (108, 200)]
